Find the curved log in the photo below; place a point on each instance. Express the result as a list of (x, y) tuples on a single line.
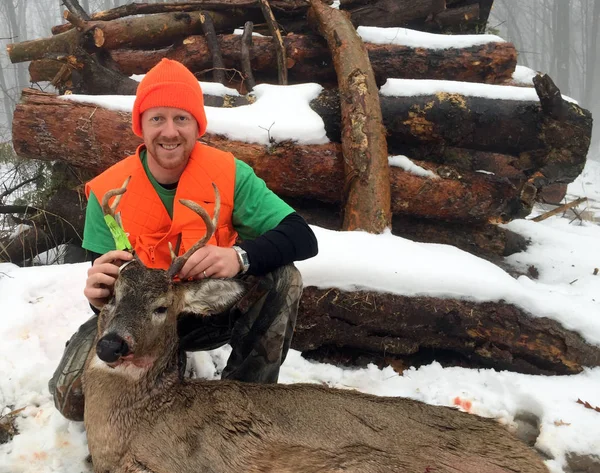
[(366, 168), (489, 334)]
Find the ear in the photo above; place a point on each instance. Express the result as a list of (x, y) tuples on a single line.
[(209, 296)]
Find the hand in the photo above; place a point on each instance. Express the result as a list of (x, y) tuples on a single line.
[(211, 262), (102, 276)]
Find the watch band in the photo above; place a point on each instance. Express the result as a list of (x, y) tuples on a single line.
[(243, 259)]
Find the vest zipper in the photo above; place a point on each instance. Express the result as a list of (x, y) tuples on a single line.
[(151, 252)]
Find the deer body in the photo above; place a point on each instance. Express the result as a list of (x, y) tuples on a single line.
[(141, 416), (198, 426)]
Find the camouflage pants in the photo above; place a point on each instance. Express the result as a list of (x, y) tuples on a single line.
[(259, 329)]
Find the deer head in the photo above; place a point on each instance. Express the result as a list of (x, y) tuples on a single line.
[(138, 326)]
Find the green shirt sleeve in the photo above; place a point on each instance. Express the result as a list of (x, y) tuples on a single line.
[(96, 235), (256, 209)]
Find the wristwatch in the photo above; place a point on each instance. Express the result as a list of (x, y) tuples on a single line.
[(243, 259)]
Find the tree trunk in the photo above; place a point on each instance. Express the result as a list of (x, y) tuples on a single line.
[(150, 31), (517, 139), (487, 241), (458, 17), (593, 57), (61, 222), (284, 7), (557, 148), (92, 137), (485, 334), (561, 19), (461, 17), (366, 168), (309, 60)]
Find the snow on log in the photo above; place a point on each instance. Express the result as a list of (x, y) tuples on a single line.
[(90, 136)]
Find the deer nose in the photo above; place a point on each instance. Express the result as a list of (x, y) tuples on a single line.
[(111, 347)]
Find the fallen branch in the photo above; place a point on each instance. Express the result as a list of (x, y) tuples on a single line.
[(211, 39), (366, 167), (559, 209), (245, 58), (277, 42)]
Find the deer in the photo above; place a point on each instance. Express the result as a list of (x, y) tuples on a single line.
[(142, 415)]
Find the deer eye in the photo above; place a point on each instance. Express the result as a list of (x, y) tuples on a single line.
[(161, 310)]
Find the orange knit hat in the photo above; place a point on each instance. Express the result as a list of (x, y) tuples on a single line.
[(169, 84)]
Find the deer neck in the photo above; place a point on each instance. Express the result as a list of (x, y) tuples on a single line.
[(130, 388)]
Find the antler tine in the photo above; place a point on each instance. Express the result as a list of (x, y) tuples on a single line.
[(211, 226), (110, 209)]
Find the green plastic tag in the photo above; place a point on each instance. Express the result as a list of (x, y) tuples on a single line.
[(121, 240)]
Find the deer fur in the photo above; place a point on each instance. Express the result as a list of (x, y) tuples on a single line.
[(141, 416)]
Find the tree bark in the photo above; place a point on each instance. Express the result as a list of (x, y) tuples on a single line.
[(285, 7), (150, 31), (487, 241), (464, 16), (558, 149), (486, 334), (59, 223), (366, 168), (89, 136), (458, 17), (309, 60), (512, 139)]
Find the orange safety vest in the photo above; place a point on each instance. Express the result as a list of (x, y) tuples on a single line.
[(144, 216)]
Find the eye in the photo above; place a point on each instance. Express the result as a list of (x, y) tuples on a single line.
[(161, 310)]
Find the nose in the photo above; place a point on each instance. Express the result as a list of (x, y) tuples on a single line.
[(111, 347), (169, 129)]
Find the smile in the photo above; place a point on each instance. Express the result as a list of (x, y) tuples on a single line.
[(169, 147)]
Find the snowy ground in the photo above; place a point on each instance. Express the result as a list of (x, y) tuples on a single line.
[(41, 307)]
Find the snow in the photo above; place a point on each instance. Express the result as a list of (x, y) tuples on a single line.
[(406, 164), (524, 75), (415, 87), (41, 307), (419, 39), (280, 113)]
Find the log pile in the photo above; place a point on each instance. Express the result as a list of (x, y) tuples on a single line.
[(528, 150)]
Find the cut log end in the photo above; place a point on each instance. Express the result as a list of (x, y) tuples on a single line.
[(98, 37)]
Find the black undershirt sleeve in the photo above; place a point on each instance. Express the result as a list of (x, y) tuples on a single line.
[(291, 240)]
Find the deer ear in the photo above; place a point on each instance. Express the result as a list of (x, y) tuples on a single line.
[(210, 296)]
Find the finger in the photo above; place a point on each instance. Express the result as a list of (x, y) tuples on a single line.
[(201, 271), (113, 256), (96, 293), (105, 268), (195, 264), (101, 279)]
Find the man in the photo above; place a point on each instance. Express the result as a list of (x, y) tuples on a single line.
[(169, 115)]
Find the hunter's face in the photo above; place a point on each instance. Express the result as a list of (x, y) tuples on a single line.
[(169, 135)]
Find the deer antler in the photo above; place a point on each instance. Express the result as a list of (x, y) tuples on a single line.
[(211, 226), (110, 209), (114, 222)]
